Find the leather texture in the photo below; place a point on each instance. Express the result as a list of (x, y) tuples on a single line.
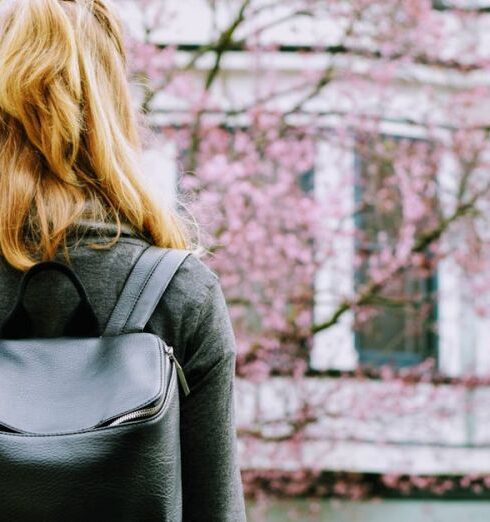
[(59, 460), (64, 385), (121, 474), (138, 300)]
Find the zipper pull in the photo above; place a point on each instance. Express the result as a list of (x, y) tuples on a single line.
[(180, 372)]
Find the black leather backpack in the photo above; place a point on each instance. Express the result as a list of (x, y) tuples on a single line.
[(89, 423)]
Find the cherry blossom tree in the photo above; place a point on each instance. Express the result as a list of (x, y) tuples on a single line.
[(248, 176)]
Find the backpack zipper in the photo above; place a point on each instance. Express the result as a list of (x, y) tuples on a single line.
[(153, 410), (180, 372), (138, 414)]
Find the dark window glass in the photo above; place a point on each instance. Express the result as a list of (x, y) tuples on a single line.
[(400, 325), (478, 6)]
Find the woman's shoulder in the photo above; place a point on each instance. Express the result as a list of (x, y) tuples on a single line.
[(197, 274), (193, 280)]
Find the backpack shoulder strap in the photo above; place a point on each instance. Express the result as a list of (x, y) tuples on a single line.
[(143, 289)]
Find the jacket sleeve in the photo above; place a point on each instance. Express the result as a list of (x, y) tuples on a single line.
[(212, 487)]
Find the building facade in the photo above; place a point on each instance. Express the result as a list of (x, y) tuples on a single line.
[(435, 428)]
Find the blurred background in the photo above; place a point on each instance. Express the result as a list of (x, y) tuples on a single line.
[(336, 156)]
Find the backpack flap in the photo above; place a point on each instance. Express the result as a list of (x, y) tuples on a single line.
[(67, 385)]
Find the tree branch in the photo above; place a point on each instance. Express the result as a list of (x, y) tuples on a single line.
[(373, 288), (220, 48)]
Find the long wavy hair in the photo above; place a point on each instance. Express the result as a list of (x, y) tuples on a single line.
[(70, 137)]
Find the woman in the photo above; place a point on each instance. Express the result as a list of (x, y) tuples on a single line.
[(71, 189)]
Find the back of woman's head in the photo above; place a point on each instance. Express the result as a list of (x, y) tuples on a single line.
[(69, 140)]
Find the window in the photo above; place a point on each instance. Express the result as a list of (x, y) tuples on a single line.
[(478, 6), (398, 326)]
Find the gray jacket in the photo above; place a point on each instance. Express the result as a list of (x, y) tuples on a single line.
[(193, 317)]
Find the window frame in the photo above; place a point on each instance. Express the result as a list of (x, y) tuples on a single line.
[(405, 358)]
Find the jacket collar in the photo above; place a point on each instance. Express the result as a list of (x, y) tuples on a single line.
[(86, 226)]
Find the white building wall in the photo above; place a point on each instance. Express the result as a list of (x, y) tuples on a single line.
[(334, 348)]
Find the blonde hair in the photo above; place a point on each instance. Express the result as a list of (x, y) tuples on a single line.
[(70, 143)]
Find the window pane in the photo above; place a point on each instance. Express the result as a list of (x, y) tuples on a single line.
[(398, 324)]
